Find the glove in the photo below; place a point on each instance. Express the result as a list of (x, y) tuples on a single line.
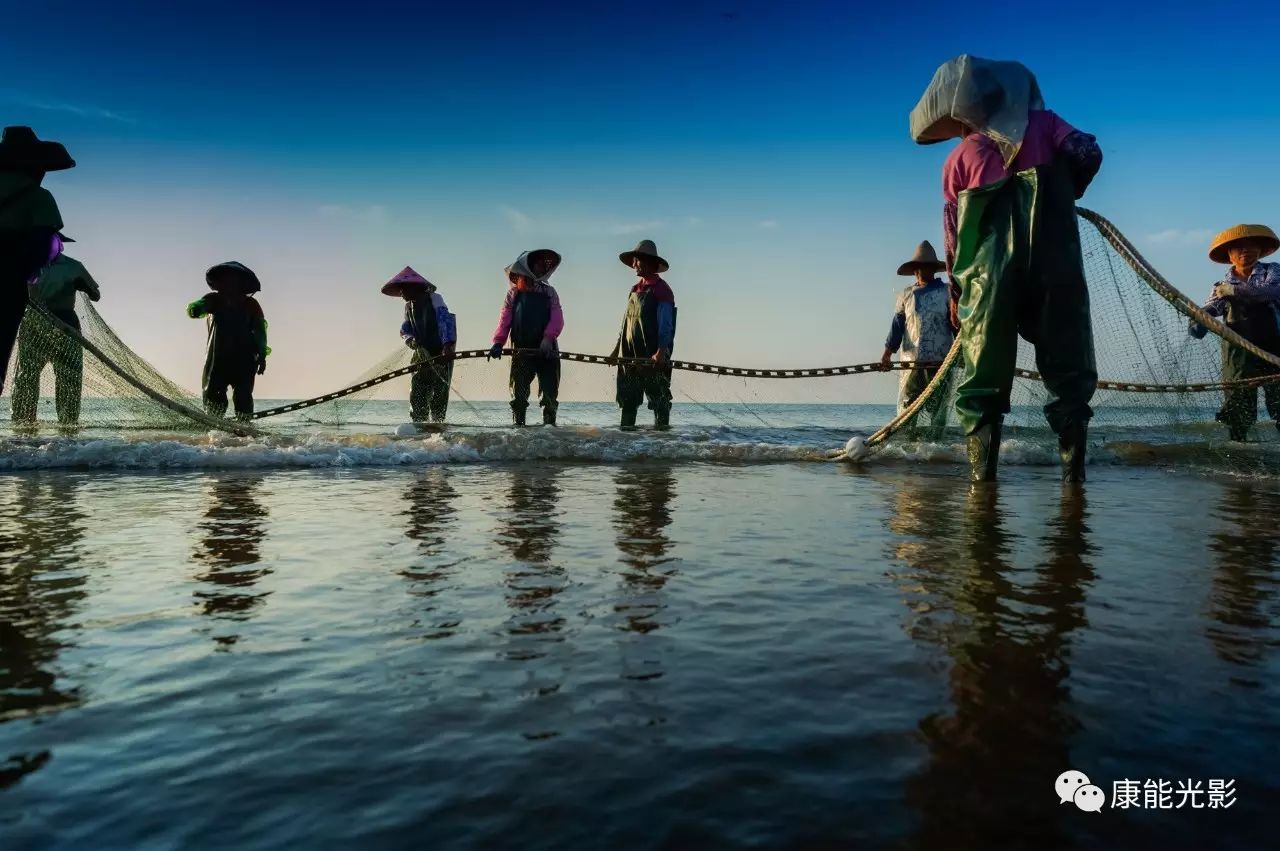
[(408, 341), (1224, 291), (547, 348), (495, 353), (262, 365)]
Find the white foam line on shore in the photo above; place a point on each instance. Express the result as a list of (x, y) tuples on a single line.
[(225, 452)]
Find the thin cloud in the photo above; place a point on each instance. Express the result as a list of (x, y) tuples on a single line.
[(520, 222), (77, 109), (693, 221), (370, 214), (624, 228), (768, 223), (1178, 236)]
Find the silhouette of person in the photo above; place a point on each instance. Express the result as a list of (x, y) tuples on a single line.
[(42, 585), (231, 536), (1007, 634), (1242, 600), (642, 514), (531, 528), (430, 514)]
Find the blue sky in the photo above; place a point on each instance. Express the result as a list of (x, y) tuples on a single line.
[(763, 146)]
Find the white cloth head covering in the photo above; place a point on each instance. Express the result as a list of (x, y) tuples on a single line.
[(991, 96), (524, 264)]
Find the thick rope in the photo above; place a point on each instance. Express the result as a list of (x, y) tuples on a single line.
[(1168, 291), (1163, 288), (606, 360)]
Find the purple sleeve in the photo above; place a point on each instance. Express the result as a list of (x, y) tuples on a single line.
[(1059, 130), (1084, 159), (556, 323), (950, 214), (446, 325), (504, 320)]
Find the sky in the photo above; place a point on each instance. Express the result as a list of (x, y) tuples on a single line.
[(763, 146)]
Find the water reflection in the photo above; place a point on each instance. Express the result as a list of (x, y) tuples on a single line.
[(642, 513), (530, 527), (430, 515), (42, 584), (229, 546), (1243, 605), (1006, 630)]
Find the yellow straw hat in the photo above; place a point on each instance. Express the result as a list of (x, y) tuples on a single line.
[(1262, 233)]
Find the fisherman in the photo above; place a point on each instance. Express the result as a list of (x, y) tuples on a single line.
[(56, 289), (29, 224), (431, 331), (649, 332), (531, 316), (921, 331), (1010, 186), (1247, 297), (237, 348)]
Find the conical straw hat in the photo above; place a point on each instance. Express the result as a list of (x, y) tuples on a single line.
[(924, 256), (1262, 233), (395, 286)]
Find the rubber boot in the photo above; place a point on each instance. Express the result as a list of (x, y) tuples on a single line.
[(517, 415), (1071, 449), (549, 415), (984, 452), (628, 419), (662, 419)]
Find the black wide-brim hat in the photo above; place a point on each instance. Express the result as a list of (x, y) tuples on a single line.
[(232, 271), (21, 149)]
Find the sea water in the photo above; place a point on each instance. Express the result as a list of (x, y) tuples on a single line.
[(583, 638)]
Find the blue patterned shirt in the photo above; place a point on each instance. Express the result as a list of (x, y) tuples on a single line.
[(1263, 286)]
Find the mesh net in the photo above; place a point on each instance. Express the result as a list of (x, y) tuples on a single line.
[(1159, 392), (62, 377)]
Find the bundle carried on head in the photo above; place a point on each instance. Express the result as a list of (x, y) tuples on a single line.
[(990, 96)]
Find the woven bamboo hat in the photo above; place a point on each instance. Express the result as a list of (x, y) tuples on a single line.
[(925, 257), (1262, 233), (406, 277)]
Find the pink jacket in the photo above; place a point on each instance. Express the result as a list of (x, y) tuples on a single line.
[(554, 326)]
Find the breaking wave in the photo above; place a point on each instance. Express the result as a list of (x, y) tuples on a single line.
[(406, 447)]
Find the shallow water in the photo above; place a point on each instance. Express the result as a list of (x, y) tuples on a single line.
[(635, 655)]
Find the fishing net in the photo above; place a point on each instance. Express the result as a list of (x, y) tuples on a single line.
[(1159, 392), (1160, 388), (67, 378)]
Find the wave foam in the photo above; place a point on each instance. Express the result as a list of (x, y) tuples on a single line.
[(220, 451)]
